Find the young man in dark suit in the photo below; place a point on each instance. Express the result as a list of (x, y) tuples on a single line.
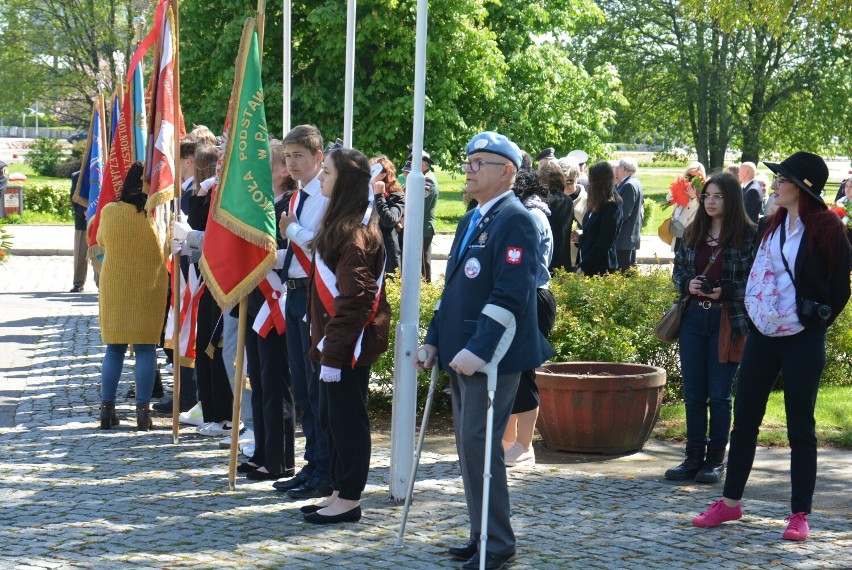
[(492, 262)]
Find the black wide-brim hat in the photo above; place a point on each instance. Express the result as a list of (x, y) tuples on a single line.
[(806, 170)]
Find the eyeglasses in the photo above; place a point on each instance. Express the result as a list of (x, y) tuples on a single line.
[(689, 177), (781, 180), (475, 165), (570, 182), (711, 197)]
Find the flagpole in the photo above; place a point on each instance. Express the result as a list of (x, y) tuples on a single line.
[(176, 269), (349, 85), (407, 330), (287, 58), (239, 376)]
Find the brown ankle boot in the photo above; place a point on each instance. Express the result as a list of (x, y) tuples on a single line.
[(108, 417), (143, 417)]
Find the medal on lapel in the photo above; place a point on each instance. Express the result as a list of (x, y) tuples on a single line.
[(482, 238)]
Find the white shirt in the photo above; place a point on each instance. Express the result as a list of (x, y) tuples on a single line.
[(187, 184), (786, 290), (483, 208), (304, 230)]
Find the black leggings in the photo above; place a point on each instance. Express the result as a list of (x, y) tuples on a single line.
[(802, 359)]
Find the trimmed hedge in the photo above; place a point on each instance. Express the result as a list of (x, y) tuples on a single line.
[(612, 319), (49, 198)]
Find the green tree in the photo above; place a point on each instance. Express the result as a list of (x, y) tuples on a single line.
[(715, 85), (484, 71)]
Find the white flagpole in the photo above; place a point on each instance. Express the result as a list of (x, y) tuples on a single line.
[(349, 85), (287, 79), (407, 330)]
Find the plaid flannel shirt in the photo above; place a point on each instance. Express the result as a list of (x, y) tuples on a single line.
[(736, 265)]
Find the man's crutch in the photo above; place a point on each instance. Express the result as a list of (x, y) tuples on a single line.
[(436, 371), (507, 319)]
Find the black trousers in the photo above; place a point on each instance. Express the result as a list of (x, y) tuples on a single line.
[(802, 359), (271, 401), (214, 389), (527, 397), (344, 418), (626, 258)]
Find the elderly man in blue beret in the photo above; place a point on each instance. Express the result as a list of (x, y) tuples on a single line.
[(492, 262)]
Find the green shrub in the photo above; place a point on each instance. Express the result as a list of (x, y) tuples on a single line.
[(382, 371), (49, 198), (648, 207), (67, 168), (44, 156), (77, 149)]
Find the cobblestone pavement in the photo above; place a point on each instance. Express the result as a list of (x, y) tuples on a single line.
[(75, 496)]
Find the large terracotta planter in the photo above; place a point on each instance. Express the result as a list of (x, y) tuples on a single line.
[(598, 407)]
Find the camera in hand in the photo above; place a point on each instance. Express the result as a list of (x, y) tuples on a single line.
[(707, 285), (819, 312)]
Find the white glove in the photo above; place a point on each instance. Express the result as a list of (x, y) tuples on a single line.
[(176, 246), (466, 362), (431, 352), (280, 254), (179, 230), (328, 374), (206, 185)]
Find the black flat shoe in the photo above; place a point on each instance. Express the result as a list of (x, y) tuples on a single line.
[(464, 552), (313, 489), (352, 515), (308, 509), (262, 476), (492, 561), (300, 479), (246, 467)]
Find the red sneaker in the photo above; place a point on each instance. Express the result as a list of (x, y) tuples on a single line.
[(718, 513), (797, 527)]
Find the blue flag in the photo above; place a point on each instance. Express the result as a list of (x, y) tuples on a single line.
[(89, 182)]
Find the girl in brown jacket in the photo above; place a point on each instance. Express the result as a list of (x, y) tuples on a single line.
[(349, 319)]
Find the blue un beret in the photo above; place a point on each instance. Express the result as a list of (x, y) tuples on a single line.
[(496, 143)]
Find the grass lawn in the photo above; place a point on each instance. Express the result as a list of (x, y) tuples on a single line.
[(833, 419), (32, 177)]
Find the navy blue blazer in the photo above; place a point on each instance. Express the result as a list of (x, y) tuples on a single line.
[(498, 266)]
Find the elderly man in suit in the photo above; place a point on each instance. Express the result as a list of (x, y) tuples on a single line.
[(752, 192), (492, 262), (632, 206)]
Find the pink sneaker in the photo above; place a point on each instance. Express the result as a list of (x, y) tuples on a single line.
[(797, 527), (718, 513)]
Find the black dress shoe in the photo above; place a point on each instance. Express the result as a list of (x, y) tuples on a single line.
[(246, 467), (300, 479), (352, 515), (308, 509), (165, 408), (313, 489), (76, 289), (464, 552), (492, 561), (257, 475)]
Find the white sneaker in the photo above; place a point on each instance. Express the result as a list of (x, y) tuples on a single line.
[(517, 456), (217, 429), (193, 417), (246, 436), (247, 449)]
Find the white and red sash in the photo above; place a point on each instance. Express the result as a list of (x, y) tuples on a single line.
[(298, 252), (271, 313), (190, 296), (326, 284)]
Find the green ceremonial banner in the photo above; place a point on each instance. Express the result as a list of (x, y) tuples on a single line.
[(244, 202)]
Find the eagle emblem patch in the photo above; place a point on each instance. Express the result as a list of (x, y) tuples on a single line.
[(514, 255)]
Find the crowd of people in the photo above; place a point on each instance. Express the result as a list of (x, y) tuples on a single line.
[(760, 297)]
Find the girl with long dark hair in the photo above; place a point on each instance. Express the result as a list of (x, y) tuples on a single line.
[(601, 224), (349, 320), (711, 268), (797, 287)]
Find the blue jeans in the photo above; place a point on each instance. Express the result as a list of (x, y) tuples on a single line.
[(707, 383), (146, 364)]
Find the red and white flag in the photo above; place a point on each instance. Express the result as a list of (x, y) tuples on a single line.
[(190, 296)]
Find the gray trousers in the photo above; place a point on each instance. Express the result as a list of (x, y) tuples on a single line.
[(81, 247), (230, 326), (470, 404)]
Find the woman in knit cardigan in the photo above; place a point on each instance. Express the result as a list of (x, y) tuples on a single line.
[(132, 296)]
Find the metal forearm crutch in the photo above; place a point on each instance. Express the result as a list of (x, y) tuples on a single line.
[(507, 319), (436, 371)]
